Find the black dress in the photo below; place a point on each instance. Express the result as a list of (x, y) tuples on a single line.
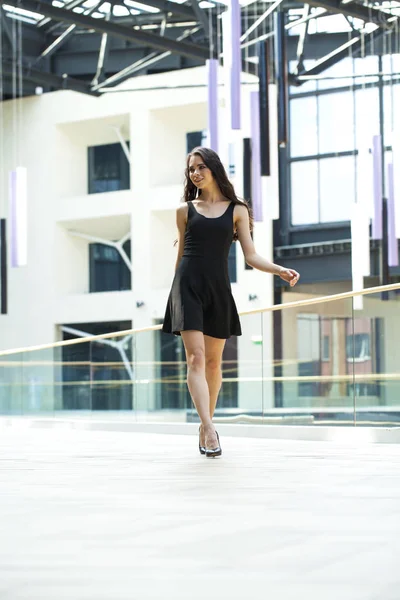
[(201, 297)]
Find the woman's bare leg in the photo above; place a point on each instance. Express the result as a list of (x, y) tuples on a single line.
[(214, 348), (197, 382)]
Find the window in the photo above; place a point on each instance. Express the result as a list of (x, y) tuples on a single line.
[(304, 185), (232, 263), (94, 375), (107, 269), (361, 349), (303, 122), (108, 169), (194, 139), (335, 122), (326, 347), (328, 125), (336, 188)]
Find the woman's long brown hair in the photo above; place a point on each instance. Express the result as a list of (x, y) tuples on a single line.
[(213, 162)]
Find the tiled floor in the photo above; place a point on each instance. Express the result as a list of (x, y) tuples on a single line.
[(107, 515)]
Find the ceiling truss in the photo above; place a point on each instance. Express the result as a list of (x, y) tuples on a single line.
[(87, 47)]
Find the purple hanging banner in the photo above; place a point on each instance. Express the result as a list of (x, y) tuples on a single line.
[(236, 65), (393, 249), (13, 219), (377, 175), (18, 217), (212, 88), (231, 28), (256, 193)]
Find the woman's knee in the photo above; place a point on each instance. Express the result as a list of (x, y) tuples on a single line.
[(213, 364), (196, 359)]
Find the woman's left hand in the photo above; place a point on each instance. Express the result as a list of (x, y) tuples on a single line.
[(289, 275)]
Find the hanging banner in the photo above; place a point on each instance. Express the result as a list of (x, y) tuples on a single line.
[(231, 29), (18, 217), (377, 174), (256, 192), (212, 106), (393, 249)]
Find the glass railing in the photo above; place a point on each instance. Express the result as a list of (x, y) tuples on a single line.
[(313, 361)]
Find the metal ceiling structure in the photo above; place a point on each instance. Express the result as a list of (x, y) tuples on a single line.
[(91, 45)]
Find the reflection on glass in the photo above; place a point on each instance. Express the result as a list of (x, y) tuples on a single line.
[(306, 364), (317, 372), (111, 374), (11, 391), (377, 360)]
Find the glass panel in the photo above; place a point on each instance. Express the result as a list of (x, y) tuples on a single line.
[(316, 369), (160, 380), (367, 116), (251, 347), (391, 95), (41, 381), (337, 188), (111, 374), (336, 124), (342, 71), (75, 377), (377, 360), (304, 192), (303, 127), (391, 64), (11, 391), (366, 66), (160, 391)]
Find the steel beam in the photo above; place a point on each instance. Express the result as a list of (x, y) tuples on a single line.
[(60, 41), (260, 20), (6, 28), (55, 81), (340, 53), (201, 17), (358, 11), (171, 7), (103, 53), (142, 63), (68, 6), (133, 35), (302, 40)]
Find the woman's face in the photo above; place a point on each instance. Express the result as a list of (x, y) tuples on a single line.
[(199, 173)]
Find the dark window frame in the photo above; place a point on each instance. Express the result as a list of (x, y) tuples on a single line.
[(101, 277), (98, 181)]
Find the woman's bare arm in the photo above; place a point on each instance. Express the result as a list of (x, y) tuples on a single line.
[(252, 258), (181, 220)]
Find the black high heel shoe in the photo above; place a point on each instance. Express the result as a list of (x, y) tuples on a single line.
[(202, 450), (214, 452)]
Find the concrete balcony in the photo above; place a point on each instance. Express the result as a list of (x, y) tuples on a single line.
[(92, 308), (92, 210)]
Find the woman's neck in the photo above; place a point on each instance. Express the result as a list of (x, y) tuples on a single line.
[(211, 196)]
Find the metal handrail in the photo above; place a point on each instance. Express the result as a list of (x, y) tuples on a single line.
[(273, 308)]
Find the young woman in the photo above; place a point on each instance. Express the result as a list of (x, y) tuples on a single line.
[(201, 307)]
